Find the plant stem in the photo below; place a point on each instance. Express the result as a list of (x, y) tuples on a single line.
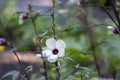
[(116, 12), (91, 35), (109, 15), (11, 46), (53, 19), (39, 47), (21, 65), (58, 71), (54, 35), (92, 42)]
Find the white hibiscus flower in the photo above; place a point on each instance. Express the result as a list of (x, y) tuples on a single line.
[(53, 50)]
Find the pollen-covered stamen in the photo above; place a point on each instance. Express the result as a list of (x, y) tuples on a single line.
[(55, 51)]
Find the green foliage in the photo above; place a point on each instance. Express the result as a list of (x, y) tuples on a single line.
[(78, 62), (102, 2)]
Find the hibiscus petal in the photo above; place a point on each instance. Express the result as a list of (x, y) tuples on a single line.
[(60, 44), (52, 58), (50, 43), (61, 52), (46, 52)]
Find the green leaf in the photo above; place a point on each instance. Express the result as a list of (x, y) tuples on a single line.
[(102, 2), (68, 29), (69, 58)]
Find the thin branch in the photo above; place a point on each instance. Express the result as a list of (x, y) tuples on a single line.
[(53, 19), (116, 12), (11, 45), (38, 40), (54, 35), (92, 42), (58, 70), (109, 15), (39, 47), (91, 35)]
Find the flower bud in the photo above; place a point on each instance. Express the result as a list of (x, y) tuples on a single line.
[(37, 14), (2, 41), (115, 30), (22, 17)]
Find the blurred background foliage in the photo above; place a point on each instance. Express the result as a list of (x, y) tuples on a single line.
[(78, 61)]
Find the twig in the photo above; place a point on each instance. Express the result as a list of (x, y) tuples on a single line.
[(39, 47), (54, 35), (92, 39), (92, 42), (109, 15), (58, 70), (11, 46), (53, 19), (21, 65), (116, 13)]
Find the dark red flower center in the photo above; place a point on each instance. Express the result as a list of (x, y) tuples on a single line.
[(55, 51)]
